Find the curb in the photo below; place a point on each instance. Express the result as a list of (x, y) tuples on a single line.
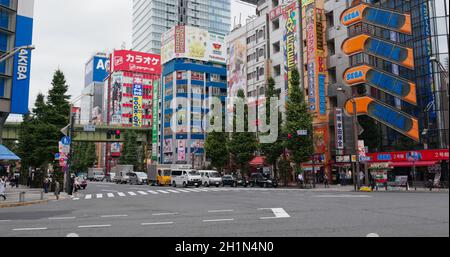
[(10, 205)]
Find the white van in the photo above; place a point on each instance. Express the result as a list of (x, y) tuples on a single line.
[(185, 178), (210, 178)]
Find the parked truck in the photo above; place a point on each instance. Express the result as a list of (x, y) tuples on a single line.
[(96, 174), (159, 175), (121, 173)]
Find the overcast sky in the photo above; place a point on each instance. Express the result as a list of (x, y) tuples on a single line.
[(66, 33)]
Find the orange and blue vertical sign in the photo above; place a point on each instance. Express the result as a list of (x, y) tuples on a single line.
[(22, 60)]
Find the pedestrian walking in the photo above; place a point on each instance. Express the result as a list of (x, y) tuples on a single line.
[(3, 187), (16, 181), (342, 177), (361, 177), (46, 185), (325, 181), (57, 189), (300, 180)]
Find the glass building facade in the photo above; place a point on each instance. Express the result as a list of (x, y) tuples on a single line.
[(7, 36), (151, 18), (429, 41)]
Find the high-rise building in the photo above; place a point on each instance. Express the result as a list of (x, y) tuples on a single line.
[(193, 70), (151, 18), (96, 71)]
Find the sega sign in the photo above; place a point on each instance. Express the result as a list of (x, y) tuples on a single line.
[(22, 60), (354, 75), (353, 15)]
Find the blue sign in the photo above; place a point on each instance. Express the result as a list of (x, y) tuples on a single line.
[(66, 140), (100, 69), (414, 156), (322, 95), (57, 156), (22, 65)]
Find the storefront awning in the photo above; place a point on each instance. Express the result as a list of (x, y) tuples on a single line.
[(7, 155), (258, 161), (411, 164)]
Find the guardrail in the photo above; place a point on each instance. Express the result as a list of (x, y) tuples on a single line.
[(22, 195)]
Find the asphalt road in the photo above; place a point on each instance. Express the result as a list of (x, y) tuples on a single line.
[(111, 210)]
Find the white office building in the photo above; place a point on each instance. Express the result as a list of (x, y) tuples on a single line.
[(151, 18)]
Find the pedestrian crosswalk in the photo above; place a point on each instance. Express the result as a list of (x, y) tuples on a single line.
[(175, 191)]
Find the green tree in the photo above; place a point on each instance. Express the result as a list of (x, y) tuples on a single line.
[(298, 118), (216, 146), (243, 145), (129, 154), (274, 150)]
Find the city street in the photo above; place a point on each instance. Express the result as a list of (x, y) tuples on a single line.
[(111, 210)]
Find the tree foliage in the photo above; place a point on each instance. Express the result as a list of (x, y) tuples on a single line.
[(243, 145), (298, 118), (129, 154), (274, 150), (216, 147), (39, 132)]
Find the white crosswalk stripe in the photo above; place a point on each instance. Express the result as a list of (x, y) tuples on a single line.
[(153, 192), (121, 194), (99, 196), (173, 191), (87, 197), (132, 193), (192, 190), (162, 191), (110, 195), (182, 190), (142, 193)]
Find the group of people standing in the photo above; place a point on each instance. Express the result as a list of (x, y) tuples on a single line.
[(301, 180)]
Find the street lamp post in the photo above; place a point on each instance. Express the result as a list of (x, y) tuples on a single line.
[(356, 181)]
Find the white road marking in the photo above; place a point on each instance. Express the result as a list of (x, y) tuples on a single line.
[(76, 199), (72, 235), (131, 193), (165, 214), (202, 189), (153, 192), (135, 188), (184, 191), (373, 235), (62, 218), (99, 196), (157, 223), (217, 211), (192, 190), (114, 216), (142, 193), (221, 220), (110, 195), (216, 190), (342, 196), (94, 226), (280, 213), (28, 229), (89, 196), (162, 191), (5, 220), (173, 191), (121, 194)]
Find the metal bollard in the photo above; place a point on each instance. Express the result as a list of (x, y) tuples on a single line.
[(22, 197), (42, 195)]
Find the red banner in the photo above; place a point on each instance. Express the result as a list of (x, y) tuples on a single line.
[(423, 155), (125, 60)]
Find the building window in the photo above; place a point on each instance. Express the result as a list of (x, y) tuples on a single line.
[(275, 3), (276, 47), (277, 70), (332, 75), (330, 19), (331, 47), (275, 24)]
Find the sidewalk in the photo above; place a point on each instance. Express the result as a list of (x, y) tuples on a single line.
[(29, 196), (350, 188)]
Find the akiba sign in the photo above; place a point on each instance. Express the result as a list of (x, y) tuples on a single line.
[(22, 59)]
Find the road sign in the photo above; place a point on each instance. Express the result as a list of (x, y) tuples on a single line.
[(63, 162), (57, 156), (89, 128), (302, 132), (66, 140), (64, 149)]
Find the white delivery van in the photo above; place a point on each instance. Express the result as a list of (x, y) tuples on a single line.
[(210, 178), (185, 178)]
